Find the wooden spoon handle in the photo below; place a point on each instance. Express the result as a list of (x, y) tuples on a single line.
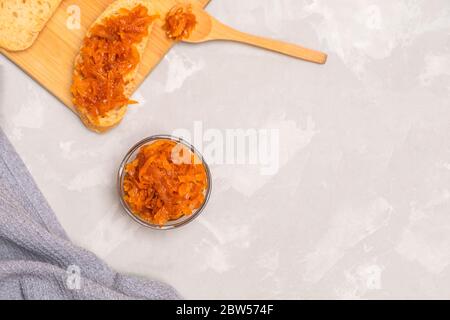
[(224, 32)]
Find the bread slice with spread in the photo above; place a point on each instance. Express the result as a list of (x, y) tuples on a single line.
[(106, 67)]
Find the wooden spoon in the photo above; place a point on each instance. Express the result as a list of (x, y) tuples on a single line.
[(208, 28)]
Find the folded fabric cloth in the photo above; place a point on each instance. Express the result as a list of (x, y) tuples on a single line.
[(38, 261)]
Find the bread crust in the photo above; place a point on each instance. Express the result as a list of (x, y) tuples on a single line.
[(114, 117)]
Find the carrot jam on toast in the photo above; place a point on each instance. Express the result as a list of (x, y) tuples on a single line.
[(108, 55)]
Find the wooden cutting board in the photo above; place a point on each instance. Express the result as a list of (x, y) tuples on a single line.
[(50, 60)]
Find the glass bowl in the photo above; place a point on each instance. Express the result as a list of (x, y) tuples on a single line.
[(130, 156)]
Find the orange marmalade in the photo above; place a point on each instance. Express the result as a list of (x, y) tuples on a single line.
[(180, 21), (165, 182), (108, 55)]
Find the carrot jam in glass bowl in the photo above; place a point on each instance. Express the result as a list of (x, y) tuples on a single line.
[(108, 56), (164, 182)]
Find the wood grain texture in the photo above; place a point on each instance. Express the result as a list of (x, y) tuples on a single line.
[(50, 60)]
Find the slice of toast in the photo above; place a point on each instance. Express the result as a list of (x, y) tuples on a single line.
[(113, 117), (21, 21)]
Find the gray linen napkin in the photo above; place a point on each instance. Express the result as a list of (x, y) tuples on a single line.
[(38, 261)]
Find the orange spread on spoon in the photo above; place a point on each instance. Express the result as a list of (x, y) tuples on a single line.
[(180, 21)]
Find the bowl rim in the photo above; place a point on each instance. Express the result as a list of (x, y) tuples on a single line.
[(121, 175)]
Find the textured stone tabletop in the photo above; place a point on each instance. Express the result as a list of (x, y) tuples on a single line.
[(359, 206)]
